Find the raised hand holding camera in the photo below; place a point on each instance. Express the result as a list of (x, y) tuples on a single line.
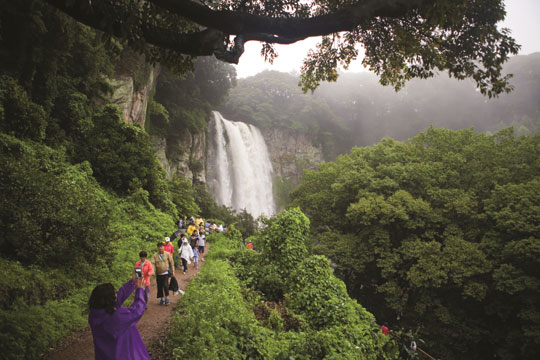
[(138, 277)]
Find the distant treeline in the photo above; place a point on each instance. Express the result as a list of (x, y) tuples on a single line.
[(358, 111)]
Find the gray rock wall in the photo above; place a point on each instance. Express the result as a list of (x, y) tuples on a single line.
[(133, 103), (291, 153), (183, 157)]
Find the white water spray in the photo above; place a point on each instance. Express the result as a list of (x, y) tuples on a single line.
[(239, 171)]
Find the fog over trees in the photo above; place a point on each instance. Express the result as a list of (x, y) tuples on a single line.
[(357, 111)]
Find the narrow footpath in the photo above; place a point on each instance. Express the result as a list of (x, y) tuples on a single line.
[(80, 345)]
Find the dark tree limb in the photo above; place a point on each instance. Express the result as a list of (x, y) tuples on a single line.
[(344, 19), (221, 24)]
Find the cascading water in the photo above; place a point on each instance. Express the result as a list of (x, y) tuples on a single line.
[(239, 171)]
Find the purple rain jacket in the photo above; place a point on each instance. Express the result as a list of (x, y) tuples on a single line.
[(116, 335)]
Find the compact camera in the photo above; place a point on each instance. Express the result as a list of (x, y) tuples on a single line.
[(138, 272)]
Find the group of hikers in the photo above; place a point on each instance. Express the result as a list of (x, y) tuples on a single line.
[(113, 326)]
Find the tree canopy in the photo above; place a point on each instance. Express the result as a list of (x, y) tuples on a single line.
[(403, 39), (439, 234)]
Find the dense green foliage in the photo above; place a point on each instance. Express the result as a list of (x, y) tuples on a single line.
[(56, 208), (228, 312), (61, 235), (52, 90), (438, 234), (183, 195)]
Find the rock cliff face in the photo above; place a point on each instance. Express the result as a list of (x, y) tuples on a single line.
[(183, 157), (133, 103), (291, 153)]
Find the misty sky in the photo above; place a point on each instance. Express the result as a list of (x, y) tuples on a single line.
[(523, 18)]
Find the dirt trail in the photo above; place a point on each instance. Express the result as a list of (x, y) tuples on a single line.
[(80, 345)]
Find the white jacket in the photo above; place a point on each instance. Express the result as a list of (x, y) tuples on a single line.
[(186, 252)]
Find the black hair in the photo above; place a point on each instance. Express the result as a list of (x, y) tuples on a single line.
[(103, 297), (160, 244), (143, 254)]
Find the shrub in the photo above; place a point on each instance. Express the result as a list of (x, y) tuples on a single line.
[(283, 241), (215, 322), (183, 195), (52, 214), (123, 160), (19, 116), (157, 122), (26, 331)]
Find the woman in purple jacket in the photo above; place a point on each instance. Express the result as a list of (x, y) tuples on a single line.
[(115, 327)]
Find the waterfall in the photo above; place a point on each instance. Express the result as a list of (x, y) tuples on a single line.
[(239, 171)]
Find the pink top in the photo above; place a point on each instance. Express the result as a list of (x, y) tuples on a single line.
[(169, 248), (147, 269)]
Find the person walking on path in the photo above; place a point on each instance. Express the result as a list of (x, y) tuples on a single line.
[(163, 263), (182, 224), (114, 327), (181, 240), (147, 271), (186, 254), (195, 258), (192, 227), (202, 238), (194, 239), (169, 247), (176, 235)]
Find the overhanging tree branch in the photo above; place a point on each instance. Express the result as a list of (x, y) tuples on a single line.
[(236, 23), (219, 24), (403, 39)]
